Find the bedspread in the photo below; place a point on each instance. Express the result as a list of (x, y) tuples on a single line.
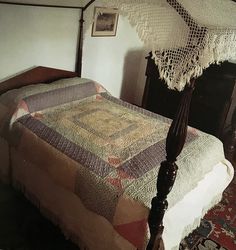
[(115, 150)]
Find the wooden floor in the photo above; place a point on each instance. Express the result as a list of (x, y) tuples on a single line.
[(22, 227)]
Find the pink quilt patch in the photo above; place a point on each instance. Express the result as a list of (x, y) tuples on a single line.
[(134, 232)]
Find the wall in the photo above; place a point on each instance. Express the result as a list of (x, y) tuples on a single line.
[(32, 36), (116, 62)]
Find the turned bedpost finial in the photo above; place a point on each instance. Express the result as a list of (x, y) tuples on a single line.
[(168, 169)]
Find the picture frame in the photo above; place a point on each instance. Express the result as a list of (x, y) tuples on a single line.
[(105, 21)]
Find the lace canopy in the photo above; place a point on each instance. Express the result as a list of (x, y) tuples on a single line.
[(185, 36)]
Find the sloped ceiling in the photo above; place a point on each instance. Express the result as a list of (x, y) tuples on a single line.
[(76, 3)]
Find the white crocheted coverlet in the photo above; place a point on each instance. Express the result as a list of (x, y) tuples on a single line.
[(184, 36)]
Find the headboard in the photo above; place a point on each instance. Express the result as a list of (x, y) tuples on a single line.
[(36, 75)]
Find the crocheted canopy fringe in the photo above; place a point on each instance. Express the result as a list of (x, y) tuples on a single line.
[(185, 36)]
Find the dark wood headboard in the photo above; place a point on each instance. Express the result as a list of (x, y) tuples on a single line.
[(33, 76)]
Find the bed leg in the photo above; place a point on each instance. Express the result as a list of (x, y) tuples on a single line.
[(168, 170)]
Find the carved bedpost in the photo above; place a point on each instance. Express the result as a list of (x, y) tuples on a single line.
[(168, 169)]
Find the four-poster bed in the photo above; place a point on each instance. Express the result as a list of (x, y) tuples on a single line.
[(28, 122), (47, 164)]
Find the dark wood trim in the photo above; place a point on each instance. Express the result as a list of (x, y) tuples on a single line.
[(168, 170), (150, 70), (42, 5), (36, 75)]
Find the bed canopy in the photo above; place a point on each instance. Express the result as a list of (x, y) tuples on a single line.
[(185, 36)]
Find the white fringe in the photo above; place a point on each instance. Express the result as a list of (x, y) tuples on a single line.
[(189, 229)]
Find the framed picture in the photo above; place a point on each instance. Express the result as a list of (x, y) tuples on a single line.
[(105, 21)]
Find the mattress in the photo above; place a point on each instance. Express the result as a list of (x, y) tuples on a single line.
[(103, 152)]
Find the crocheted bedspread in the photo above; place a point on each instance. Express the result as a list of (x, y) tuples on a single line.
[(116, 149)]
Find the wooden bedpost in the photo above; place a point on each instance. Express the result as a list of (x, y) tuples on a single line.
[(168, 169), (78, 66), (80, 45)]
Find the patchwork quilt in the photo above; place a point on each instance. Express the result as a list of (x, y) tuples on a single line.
[(116, 148)]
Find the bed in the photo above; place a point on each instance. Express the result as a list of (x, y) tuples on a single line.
[(90, 161)]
